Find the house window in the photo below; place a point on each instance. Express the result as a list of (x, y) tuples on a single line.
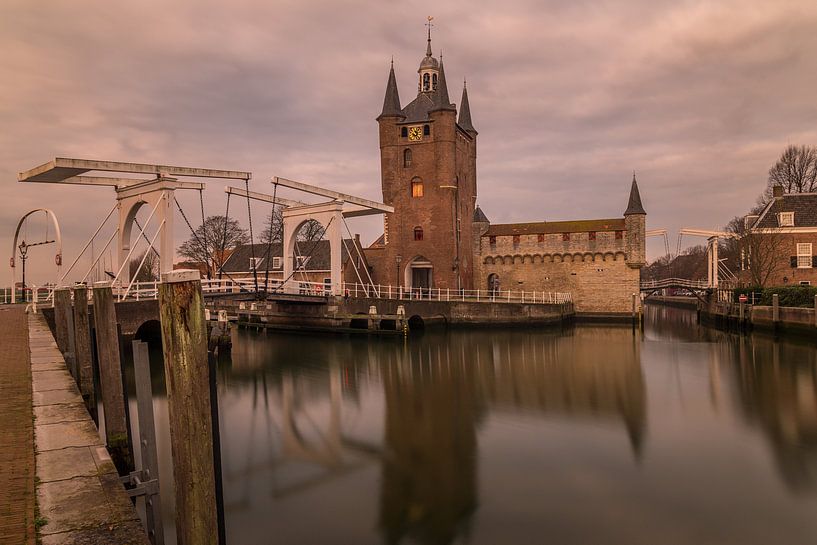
[(804, 255), (540, 238), (301, 261), (276, 262), (619, 235), (255, 262), (786, 219), (805, 283), (406, 158), (418, 233), (516, 241), (426, 130), (416, 187), (591, 235), (404, 132), (565, 236)]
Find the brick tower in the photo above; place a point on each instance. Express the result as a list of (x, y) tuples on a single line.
[(429, 174)]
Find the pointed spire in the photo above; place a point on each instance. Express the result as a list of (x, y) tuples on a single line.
[(441, 100), (634, 206), (465, 112), (429, 25), (391, 102)]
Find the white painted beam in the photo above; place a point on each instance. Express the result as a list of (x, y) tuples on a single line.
[(62, 168), (315, 190), (262, 197)]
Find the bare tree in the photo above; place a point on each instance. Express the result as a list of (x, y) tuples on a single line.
[(796, 171), (210, 239), (149, 272), (762, 256), (274, 229)]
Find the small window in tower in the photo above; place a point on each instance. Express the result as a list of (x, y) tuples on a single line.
[(492, 240), (426, 82), (591, 235), (515, 241), (426, 130), (540, 237), (434, 81), (619, 235), (404, 132), (406, 158), (565, 236), (417, 187), (418, 233)]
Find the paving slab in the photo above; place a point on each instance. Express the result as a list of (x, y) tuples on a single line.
[(65, 412), (81, 433), (67, 463), (53, 397)]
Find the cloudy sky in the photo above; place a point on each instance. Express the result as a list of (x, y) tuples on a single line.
[(699, 97)]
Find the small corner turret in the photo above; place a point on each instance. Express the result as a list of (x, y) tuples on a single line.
[(635, 221)]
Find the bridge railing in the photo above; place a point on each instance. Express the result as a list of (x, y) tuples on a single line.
[(674, 283), (446, 294)]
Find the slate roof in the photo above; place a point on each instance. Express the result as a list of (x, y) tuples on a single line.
[(550, 227), (239, 260), (804, 206), (634, 205), (465, 113), (391, 102), (479, 216)]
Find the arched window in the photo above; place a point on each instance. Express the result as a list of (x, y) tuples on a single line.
[(406, 157), (418, 233), (426, 82), (426, 130), (404, 132), (416, 187), (434, 81)]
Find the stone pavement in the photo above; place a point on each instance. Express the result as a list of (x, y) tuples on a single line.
[(78, 493), (16, 431)]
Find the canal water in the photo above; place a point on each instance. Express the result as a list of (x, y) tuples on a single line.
[(584, 435)]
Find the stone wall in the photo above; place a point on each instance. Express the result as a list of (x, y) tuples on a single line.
[(595, 272)]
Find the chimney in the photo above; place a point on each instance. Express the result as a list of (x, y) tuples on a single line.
[(777, 191)]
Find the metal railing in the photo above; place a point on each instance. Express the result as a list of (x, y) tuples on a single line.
[(138, 291), (674, 283)]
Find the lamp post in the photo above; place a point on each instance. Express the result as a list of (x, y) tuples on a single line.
[(397, 259)]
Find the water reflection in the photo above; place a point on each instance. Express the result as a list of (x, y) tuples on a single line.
[(587, 435)]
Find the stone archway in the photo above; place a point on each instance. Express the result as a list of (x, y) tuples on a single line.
[(160, 201), (419, 273), (330, 216), (493, 283)]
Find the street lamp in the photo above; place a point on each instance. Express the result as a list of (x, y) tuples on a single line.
[(397, 259)]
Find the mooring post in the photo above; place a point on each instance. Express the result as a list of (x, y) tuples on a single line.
[(147, 442), (82, 349), (110, 378), (815, 311), (775, 308), (63, 325), (184, 339)]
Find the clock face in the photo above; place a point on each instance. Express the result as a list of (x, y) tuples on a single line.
[(415, 133)]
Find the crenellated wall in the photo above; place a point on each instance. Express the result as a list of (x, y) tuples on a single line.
[(596, 272)]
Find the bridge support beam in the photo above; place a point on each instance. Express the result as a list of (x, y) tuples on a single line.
[(330, 216), (82, 349)]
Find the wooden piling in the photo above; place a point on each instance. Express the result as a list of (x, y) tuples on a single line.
[(63, 325), (110, 378), (775, 309), (82, 349), (184, 340)]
